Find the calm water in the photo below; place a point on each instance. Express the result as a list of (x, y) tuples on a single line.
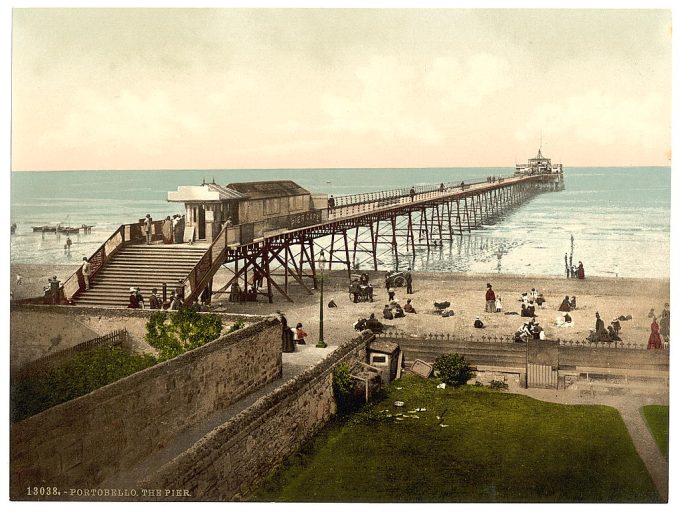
[(619, 217)]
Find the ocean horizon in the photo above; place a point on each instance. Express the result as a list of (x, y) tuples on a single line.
[(619, 216)]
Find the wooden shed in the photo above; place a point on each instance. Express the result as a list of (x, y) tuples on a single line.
[(209, 206)]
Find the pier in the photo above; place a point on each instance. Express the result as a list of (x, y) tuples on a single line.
[(276, 252)]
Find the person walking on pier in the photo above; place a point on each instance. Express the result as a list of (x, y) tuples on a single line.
[(331, 203), (490, 299), (147, 228), (409, 281), (412, 193)]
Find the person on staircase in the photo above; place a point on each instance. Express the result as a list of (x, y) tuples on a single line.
[(133, 302), (155, 301)]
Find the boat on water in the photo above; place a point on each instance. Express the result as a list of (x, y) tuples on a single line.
[(63, 230), (539, 165)]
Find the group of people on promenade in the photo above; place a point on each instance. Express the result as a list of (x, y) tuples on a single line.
[(290, 337), (172, 229)]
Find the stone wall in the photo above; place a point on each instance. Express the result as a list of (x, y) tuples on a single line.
[(230, 462), (39, 330), (86, 440)]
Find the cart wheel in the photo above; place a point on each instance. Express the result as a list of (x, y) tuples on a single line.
[(399, 281)]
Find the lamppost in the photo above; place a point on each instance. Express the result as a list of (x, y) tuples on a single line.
[(322, 266)]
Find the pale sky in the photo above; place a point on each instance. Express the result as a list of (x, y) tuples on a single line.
[(237, 88)]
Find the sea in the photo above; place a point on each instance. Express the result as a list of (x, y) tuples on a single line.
[(618, 217)]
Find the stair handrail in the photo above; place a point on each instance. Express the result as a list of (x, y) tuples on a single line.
[(121, 237), (208, 264)]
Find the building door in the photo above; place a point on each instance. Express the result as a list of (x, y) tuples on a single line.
[(201, 222), (542, 364)]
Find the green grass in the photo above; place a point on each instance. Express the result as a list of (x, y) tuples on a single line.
[(656, 417), (498, 447)]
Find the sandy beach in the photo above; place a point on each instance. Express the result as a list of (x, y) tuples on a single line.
[(611, 297)]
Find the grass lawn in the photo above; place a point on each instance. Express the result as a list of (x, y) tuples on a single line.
[(656, 417), (497, 447)]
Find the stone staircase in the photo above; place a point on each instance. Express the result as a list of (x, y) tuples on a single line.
[(143, 266)]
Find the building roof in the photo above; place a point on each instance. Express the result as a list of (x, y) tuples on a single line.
[(204, 193), (268, 189), (380, 346)]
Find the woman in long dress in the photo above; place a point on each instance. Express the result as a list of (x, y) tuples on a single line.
[(167, 230), (654, 342)]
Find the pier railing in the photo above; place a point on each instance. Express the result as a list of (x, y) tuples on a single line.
[(394, 196)]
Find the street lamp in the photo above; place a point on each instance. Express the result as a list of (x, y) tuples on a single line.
[(322, 266)]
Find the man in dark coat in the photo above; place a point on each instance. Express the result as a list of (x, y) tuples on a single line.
[(409, 281), (490, 299)]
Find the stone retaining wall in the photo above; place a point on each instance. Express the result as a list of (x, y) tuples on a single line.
[(230, 462), (40, 330), (82, 442)]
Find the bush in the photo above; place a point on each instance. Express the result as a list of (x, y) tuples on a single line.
[(236, 325), (453, 369), (498, 385), (181, 331), (343, 389)]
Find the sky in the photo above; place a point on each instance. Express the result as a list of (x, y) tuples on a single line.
[(330, 88)]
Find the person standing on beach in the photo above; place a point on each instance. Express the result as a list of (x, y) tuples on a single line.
[(148, 223), (665, 323), (54, 289), (490, 299), (409, 281), (600, 332), (580, 272), (86, 270), (654, 342)]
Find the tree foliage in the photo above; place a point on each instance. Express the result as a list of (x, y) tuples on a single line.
[(181, 331)]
